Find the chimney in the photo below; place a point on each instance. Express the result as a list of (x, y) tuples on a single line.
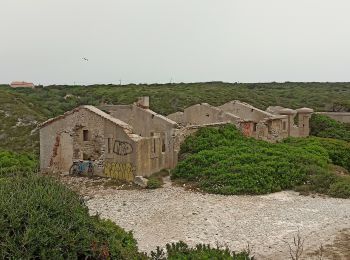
[(143, 102)]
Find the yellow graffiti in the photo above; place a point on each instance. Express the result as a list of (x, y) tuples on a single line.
[(120, 171)]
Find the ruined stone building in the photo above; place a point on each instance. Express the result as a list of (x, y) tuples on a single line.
[(131, 140), (139, 142), (272, 125)]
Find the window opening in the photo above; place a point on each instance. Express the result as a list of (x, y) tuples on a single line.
[(86, 135)]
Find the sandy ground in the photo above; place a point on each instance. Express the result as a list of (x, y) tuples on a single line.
[(267, 223)]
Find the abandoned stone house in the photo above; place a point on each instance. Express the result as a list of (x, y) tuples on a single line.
[(132, 140), (272, 125)]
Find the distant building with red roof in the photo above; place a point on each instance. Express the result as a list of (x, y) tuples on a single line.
[(21, 84)]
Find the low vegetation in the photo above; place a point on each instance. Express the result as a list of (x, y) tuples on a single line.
[(221, 160), (18, 121), (181, 250), (42, 103), (41, 218), (154, 183), (324, 126), (17, 164)]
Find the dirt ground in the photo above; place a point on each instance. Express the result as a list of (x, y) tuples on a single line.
[(266, 223), (339, 249)]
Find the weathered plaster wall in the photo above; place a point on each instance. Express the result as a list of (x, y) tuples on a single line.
[(202, 114), (120, 153), (304, 124), (302, 115), (122, 112), (275, 130), (61, 141), (245, 111), (149, 124), (343, 117), (178, 117)]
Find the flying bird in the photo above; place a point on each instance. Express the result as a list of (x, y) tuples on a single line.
[(85, 59)]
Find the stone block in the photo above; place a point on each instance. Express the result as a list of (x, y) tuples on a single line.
[(141, 181)]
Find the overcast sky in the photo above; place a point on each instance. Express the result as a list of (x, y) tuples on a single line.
[(146, 41)]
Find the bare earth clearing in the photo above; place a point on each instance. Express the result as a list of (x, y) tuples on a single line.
[(265, 222)]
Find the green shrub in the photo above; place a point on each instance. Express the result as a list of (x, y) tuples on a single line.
[(341, 188), (321, 183), (338, 151), (17, 164), (326, 127), (40, 218), (181, 250), (221, 160), (154, 183)]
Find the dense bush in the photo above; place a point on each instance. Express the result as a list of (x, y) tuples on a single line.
[(221, 160), (338, 151), (17, 164), (181, 250), (324, 126), (44, 220)]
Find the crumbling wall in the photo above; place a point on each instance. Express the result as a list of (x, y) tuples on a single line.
[(149, 124), (122, 112), (202, 114), (343, 117), (297, 121), (58, 153), (177, 117), (245, 111), (275, 132), (120, 153)]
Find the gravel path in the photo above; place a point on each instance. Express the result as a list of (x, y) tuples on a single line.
[(171, 214)]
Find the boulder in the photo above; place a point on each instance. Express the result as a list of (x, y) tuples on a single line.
[(141, 181)]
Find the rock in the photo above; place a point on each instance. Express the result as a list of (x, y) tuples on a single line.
[(141, 181)]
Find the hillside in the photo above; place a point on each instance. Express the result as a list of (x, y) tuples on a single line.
[(18, 121), (22, 107)]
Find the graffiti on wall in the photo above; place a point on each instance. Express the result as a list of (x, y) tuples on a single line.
[(122, 148), (120, 171)]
